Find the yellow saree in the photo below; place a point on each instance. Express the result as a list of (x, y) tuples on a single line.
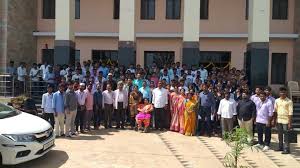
[(190, 117)]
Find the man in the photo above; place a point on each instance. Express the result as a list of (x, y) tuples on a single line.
[(110, 81), (160, 102), (21, 71), (49, 76), (11, 68), (145, 90), (268, 91), (263, 121), (203, 73), (89, 107), (138, 81), (207, 109), (77, 76), (165, 76), (81, 100), (283, 117), (44, 68), (48, 112), (59, 110), (256, 98), (226, 112), (120, 104), (71, 110), (108, 101), (246, 112), (97, 106)]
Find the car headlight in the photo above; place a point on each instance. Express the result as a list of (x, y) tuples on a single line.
[(21, 138)]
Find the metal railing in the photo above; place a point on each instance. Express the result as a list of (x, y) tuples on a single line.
[(36, 89), (7, 85)]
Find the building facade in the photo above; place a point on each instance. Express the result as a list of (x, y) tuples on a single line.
[(261, 36)]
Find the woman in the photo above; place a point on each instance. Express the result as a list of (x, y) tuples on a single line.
[(181, 109), (144, 115), (134, 99), (190, 115), (174, 110)]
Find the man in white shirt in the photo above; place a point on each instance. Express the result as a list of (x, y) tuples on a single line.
[(108, 101), (203, 73), (48, 112), (44, 68), (81, 97), (226, 111), (120, 104), (21, 71), (34, 72), (160, 102), (77, 76)]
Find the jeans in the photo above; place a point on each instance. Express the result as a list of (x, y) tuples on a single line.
[(120, 115), (261, 130), (205, 123), (49, 116), (159, 118), (70, 122), (283, 135), (97, 116), (80, 118), (59, 124)]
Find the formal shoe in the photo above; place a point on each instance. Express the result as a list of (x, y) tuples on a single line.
[(285, 152), (279, 149), (266, 148), (122, 127), (117, 127), (259, 146), (62, 135)]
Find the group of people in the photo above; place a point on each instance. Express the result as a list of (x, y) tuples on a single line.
[(188, 100)]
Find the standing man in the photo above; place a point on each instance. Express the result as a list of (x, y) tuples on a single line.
[(21, 71), (108, 101), (283, 117), (226, 112), (264, 115), (89, 107), (81, 98), (145, 90), (138, 81), (11, 68), (160, 102), (256, 97), (246, 112), (207, 109), (97, 106), (71, 110), (120, 104), (48, 112), (203, 73), (268, 91), (59, 110)]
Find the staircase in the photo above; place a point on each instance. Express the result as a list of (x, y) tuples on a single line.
[(296, 116)]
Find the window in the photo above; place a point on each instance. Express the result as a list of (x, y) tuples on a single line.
[(247, 10), (77, 9), (160, 58), (173, 8), (148, 9), (204, 9), (280, 9), (106, 56), (48, 9), (116, 9), (48, 56), (278, 68), (77, 55)]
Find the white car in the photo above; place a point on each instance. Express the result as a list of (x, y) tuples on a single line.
[(23, 136)]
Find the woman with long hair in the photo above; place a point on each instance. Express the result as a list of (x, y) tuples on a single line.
[(134, 99), (190, 115)]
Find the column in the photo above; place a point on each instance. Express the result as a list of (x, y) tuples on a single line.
[(257, 57), (191, 30), (3, 35), (127, 33), (64, 47)]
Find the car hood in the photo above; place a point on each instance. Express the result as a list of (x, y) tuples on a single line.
[(23, 123)]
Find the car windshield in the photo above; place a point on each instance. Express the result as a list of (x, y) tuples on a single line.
[(6, 111)]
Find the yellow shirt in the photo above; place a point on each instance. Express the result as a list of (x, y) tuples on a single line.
[(284, 108)]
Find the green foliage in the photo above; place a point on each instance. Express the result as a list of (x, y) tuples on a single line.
[(237, 141)]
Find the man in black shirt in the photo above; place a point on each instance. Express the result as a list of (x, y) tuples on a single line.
[(246, 112)]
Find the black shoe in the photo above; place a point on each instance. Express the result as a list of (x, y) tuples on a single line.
[(285, 152), (122, 127), (117, 127), (279, 149)]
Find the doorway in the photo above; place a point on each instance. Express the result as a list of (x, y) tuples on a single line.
[(160, 58)]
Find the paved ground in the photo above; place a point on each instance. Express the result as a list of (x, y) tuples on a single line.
[(130, 149)]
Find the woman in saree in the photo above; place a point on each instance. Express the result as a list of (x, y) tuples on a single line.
[(174, 125), (190, 115), (134, 100), (144, 115)]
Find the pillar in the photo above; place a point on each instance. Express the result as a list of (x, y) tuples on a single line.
[(127, 33), (257, 57), (3, 35), (64, 46), (191, 30)]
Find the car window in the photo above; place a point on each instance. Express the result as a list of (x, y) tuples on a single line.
[(6, 111)]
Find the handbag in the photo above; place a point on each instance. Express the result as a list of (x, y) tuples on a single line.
[(292, 136)]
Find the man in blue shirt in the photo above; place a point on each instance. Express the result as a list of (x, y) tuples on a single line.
[(59, 110), (145, 90), (207, 109), (138, 81)]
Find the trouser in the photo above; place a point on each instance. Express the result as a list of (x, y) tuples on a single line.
[(283, 136), (261, 130), (205, 123), (87, 119), (227, 125), (70, 122), (97, 116), (159, 118), (108, 110), (59, 124), (120, 114), (49, 116), (80, 118), (248, 126), (21, 89)]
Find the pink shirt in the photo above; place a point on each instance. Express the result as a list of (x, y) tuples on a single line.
[(89, 100)]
